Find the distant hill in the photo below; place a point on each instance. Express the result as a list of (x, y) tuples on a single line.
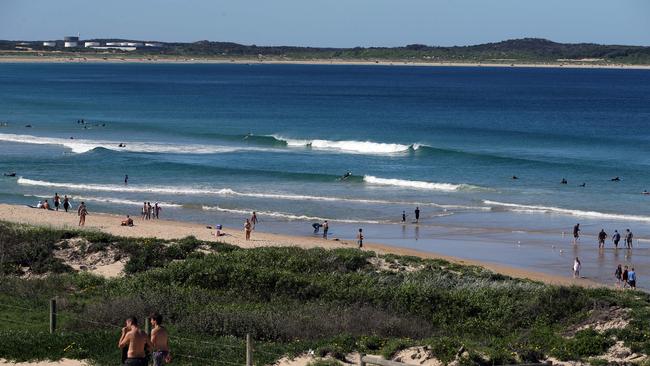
[(526, 50)]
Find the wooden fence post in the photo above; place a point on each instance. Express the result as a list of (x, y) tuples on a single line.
[(147, 325), (361, 361), (249, 350), (52, 316)]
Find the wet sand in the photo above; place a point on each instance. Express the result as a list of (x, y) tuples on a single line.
[(167, 229)]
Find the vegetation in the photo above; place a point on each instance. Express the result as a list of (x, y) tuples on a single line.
[(527, 50), (293, 300)]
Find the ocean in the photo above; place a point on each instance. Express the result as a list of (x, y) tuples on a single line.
[(214, 142)]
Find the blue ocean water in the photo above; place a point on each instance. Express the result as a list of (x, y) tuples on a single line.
[(216, 141)]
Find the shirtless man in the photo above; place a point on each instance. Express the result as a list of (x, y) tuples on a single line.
[(136, 339), (160, 341)]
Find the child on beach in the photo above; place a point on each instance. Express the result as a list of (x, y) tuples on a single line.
[(576, 268), (360, 238)]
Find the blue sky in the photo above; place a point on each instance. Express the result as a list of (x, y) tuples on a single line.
[(335, 23)]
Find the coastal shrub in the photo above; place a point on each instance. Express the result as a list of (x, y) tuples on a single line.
[(586, 343)]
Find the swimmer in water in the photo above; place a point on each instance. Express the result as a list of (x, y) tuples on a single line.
[(645, 192), (583, 185), (12, 174), (564, 181), (347, 175), (514, 177), (616, 179)]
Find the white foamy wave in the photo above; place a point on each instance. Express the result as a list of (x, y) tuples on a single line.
[(349, 146), (81, 146), (286, 216), (414, 184), (564, 211), (230, 192)]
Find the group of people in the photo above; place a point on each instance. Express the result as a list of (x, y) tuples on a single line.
[(417, 215), (625, 277), (150, 212), (137, 345), (602, 236), (249, 225), (58, 202)]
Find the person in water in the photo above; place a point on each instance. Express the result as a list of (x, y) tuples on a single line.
[(576, 233), (619, 275), (616, 179), (417, 214), (628, 238), (583, 185), (403, 216), (644, 191), (136, 340), (514, 177), (316, 227), (616, 238), (326, 227), (12, 174), (564, 181), (602, 235), (126, 179)]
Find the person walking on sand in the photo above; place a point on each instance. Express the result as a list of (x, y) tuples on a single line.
[(576, 234), (159, 341), (144, 210), (628, 238), (616, 238), (619, 275), (417, 214), (149, 210), (253, 220), (247, 229), (576, 268), (602, 235), (66, 203), (631, 279), (57, 201), (326, 227), (360, 238), (624, 277), (136, 340), (82, 211)]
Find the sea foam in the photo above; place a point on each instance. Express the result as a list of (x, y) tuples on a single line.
[(564, 211)]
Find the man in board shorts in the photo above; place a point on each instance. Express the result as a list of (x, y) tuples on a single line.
[(160, 341), (616, 238)]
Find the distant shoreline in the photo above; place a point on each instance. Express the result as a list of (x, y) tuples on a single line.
[(198, 60)]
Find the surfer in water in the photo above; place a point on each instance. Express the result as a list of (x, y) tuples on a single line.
[(126, 179), (645, 192), (514, 177), (121, 145), (616, 179), (12, 174), (583, 185), (347, 175)]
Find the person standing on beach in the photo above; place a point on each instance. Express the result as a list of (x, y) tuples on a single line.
[(360, 238), (159, 341), (576, 233), (631, 279), (136, 340), (247, 229), (156, 210), (66, 203), (616, 238), (576, 268), (82, 211), (149, 210), (253, 220), (624, 277), (602, 235), (619, 275), (57, 201), (403, 216), (628, 238), (144, 210), (326, 227), (417, 214)]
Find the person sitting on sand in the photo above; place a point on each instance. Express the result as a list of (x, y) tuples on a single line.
[(136, 340), (46, 205), (218, 231), (128, 221), (39, 204)]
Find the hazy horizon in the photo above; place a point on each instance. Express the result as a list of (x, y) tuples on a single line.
[(364, 23)]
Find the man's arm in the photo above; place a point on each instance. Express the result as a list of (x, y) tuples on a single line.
[(124, 340)]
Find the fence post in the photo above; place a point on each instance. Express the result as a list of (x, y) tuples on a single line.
[(249, 350), (52, 316), (147, 325), (361, 361)]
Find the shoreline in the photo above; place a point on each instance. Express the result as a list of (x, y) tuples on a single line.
[(169, 229), (198, 60)]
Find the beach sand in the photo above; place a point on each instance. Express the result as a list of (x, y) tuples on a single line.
[(166, 229), (60, 58), (62, 362)]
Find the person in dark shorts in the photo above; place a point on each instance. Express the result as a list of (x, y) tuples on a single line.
[(631, 278), (326, 227), (360, 238), (624, 277), (66, 203), (57, 201), (136, 341), (316, 227), (576, 233), (628, 238), (403, 216), (417, 214), (616, 238), (159, 341), (602, 235)]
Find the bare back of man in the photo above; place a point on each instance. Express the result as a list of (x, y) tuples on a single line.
[(136, 340)]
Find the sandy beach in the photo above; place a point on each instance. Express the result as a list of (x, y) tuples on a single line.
[(167, 229), (80, 58)]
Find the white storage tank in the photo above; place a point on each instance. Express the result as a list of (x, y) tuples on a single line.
[(49, 44), (70, 44), (153, 44), (113, 44), (91, 44)]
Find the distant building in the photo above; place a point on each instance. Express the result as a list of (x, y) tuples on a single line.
[(71, 41), (134, 44), (113, 44), (49, 44), (91, 44), (153, 44)]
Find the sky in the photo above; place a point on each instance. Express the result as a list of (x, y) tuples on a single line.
[(331, 23)]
